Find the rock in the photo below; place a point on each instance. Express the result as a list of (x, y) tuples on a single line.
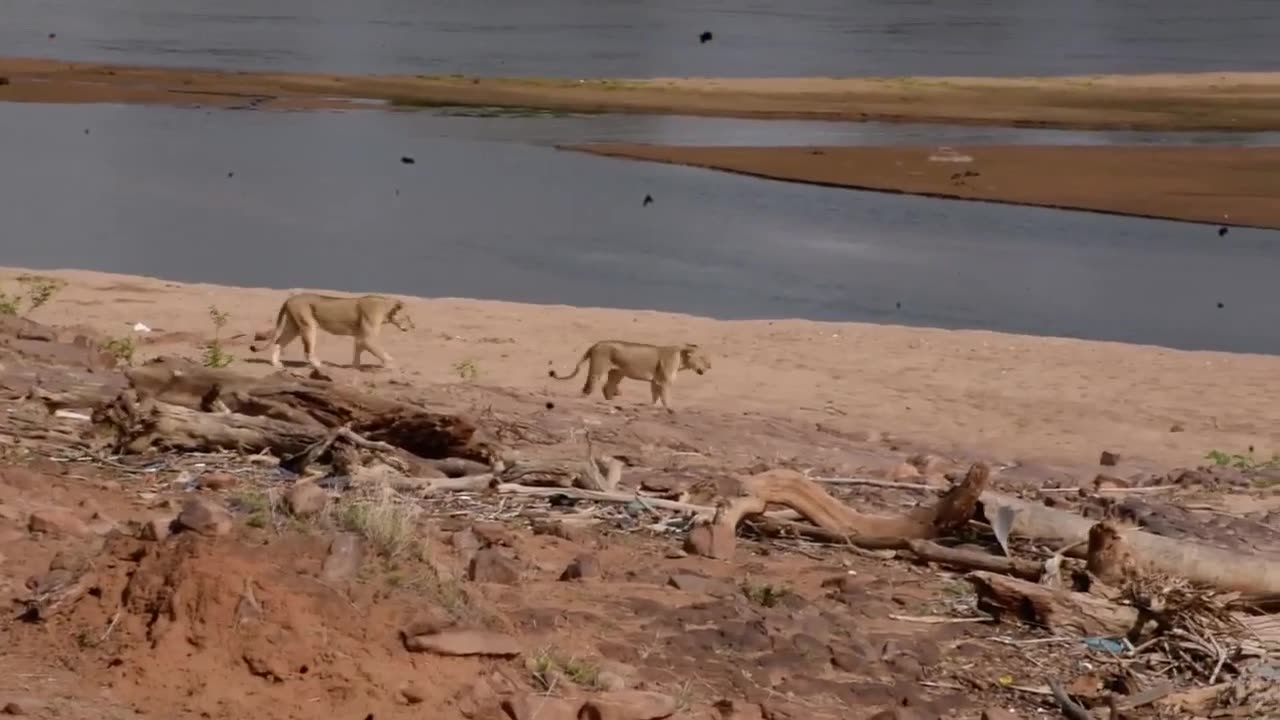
[(23, 479), (412, 694), (615, 675), (464, 642), (217, 481), (100, 524), (464, 541), (538, 706), (344, 558), (583, 567), (57, 521), (928, 464), (305, 499), (660, 484), (491, 534), (156, 529), (574, 532), (688, 582), (1108, 458), (428, 621), (904, 471), (1177, 427), (998, 714), (16, 707), (628, 705), (1108, 481), (491, 566), (205, 517), (738, 710)]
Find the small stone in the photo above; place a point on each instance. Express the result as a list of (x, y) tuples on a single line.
[(344, 558), (491, 534), (412, 694), (1108, 458), (205, 517), (464, 642), (628, 705), (156, 529), (305, 499), (57, 521), (690, 583), (218, 481), (574, 532), (1177, 427), (1108, 481), (491, 566), (904, 471), (14, 707), (583, 567), (675, 554), (538, 706), (998, 714)]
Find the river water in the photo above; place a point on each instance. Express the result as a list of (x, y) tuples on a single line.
[(642, 38), (488, 209)]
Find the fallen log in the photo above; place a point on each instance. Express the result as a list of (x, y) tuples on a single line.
[(791, 489), (311, 403), (1052, 608), (1229, 570)]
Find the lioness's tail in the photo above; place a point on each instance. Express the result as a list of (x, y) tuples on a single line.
[(576, 368), (271, 335)]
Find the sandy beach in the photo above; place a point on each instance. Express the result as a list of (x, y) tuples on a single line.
[(1227, 186), (1191, 101), (1007, 397)]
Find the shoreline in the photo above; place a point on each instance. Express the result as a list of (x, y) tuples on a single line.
[(1221, 101), (1010, 397), (1227, 186)]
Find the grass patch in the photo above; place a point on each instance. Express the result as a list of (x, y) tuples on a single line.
[(765, 595), (547, 668), (389, 525)]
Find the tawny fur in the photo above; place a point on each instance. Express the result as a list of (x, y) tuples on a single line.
[(361, 318), (656, 364)]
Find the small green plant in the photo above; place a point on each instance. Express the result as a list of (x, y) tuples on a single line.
[(37, 290), (547, 668), (467, 369), (122, 349), (214, 355), (1243, 462), (258, 505), (764, 595)]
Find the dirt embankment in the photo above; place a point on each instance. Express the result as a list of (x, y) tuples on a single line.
[(1201, 101), (1226, 186)]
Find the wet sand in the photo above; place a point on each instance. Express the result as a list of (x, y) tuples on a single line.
[(1000, 395), (1196, 101), (1227, 186)]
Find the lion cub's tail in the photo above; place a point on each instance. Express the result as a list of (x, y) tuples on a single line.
[(271, 335), (576, 368)]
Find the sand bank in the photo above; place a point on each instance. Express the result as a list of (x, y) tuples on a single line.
[(1008, 396), (1199, 101), (1227, 186)]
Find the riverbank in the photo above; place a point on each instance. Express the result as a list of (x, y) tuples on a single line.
[(1007, 397), (1195, 101), (1221, 185)]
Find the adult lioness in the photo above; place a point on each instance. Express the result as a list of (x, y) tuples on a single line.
[(359, 317), (638, 361)]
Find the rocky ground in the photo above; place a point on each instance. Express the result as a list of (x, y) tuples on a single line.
[(216, 586)]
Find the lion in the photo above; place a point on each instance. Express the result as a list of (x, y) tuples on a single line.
[(639, 361), (361, 318)]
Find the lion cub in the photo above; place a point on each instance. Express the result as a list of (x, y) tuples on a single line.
[(639, 361), (361, 318)]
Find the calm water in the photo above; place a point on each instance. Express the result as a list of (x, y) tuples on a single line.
[(489, 210), (639, 38)]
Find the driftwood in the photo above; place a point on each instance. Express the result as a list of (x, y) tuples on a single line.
[(596, 472), (177, 405), (322, 405), (1229, 570), (791, 489), (1050, 607)]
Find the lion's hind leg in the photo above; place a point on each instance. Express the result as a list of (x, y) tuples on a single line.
[(612, 384), (288, 334)]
